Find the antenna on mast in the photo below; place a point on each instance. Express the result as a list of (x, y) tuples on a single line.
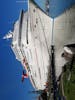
[(28, 6), (8, 36), (52, 37)]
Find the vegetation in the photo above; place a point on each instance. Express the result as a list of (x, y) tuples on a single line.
[(69, 83)]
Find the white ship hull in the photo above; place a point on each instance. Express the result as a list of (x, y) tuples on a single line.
[(31, 41)]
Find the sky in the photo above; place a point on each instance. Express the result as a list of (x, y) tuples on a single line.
[(56, 7), (11, 87)]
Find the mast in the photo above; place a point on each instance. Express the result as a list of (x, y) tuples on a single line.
[(27, 22), (53, 73)]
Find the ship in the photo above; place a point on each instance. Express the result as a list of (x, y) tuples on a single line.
[(42, 39)]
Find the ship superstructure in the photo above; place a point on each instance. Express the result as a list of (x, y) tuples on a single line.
[(32, 40), (30, 47)]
